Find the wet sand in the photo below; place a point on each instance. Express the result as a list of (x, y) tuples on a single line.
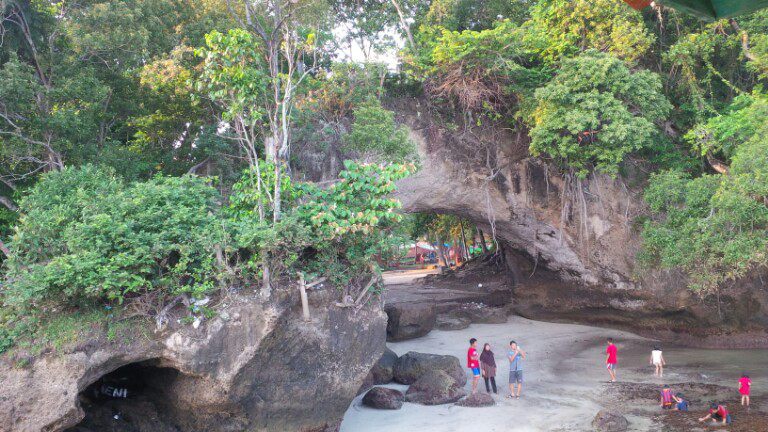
[(566, 383)]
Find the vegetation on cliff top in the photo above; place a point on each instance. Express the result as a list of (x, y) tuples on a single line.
[(152, 149)]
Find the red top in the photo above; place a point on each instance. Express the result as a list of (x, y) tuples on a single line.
[(745, 383), (721, 411), (666, 397), (471, 356), (612, 354)]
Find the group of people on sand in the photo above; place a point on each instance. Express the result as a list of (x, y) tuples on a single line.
[(484, 364), (718, 412)]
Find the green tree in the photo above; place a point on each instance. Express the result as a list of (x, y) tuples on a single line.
[(564, 28), (595, 111), (375, 135)]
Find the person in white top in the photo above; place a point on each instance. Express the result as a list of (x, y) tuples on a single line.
[(657, 359)]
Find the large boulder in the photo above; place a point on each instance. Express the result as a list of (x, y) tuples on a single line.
[(384, 398), (383, 369), (452, 322), (409, 321), (477, 400), (609, 421), (413, 365), (435, 387)]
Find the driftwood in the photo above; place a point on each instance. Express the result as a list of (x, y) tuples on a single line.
[(303, 287), (162, 317)]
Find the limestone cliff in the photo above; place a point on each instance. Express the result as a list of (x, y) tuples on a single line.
[(571, 243), (255, 367)]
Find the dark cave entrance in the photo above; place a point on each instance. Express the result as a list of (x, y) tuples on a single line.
[(132, 398)]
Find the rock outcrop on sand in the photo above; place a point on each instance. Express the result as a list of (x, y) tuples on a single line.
[(477, 400), (609, 421), (435, 387), (261, 369), (411, 366), (409, 321), (384, 398)]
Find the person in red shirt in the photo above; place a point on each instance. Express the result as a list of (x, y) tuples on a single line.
[(611, 359), (717, 412), (473, 362), (744, 384)]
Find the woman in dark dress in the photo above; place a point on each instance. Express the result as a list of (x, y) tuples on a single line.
[(488, 367)]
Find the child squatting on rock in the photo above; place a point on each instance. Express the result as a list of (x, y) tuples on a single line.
[(717, 412)]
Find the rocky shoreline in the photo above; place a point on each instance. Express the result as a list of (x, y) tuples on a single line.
[(565, 383)]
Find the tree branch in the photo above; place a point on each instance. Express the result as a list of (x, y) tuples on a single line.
[(4, 249), (405, 25), (744, 40), (7, 202), (717, 165)]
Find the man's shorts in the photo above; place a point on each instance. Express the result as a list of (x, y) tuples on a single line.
[(611, 365), (475, 372), (516, 376)]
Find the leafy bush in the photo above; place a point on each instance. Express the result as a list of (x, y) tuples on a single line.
[(86, 237), (352, 219)]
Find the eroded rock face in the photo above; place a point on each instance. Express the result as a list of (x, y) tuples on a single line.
[(435, 387), (259, 370), (384, 398), (411, 366), (409, 321)]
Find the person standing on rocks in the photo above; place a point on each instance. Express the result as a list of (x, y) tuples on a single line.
[(657, 359), (488, 367), (515, 356), (611, 359), (473, 362), (744, 384)]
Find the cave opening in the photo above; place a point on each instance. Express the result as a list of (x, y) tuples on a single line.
[(444, 239), (131, 398)]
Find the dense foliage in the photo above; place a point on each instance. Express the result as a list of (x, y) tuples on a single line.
[(714, 226)]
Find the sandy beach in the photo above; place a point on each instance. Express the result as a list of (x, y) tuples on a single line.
[(566, 382)]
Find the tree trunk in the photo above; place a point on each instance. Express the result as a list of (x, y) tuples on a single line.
[(441, 250), (482, 241), (266, 282), (464, 241)]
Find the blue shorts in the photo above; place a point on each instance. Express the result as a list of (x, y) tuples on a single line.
[(475, 372), (611, 365)]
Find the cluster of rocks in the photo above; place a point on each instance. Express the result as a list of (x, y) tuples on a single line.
[(413, 320), (432, 379)]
